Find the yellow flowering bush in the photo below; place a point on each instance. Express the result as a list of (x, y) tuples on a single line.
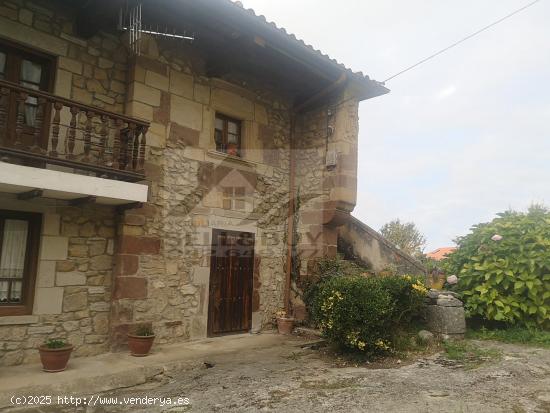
[(360, 313), (420, 288)]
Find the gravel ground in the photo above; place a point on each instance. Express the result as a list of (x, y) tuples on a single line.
[(289, 378)]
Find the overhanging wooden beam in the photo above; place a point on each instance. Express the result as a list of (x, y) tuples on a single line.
[(132, 205), (83, 200), (33, 193)]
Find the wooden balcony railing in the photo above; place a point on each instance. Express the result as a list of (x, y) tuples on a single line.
[(38, 128)]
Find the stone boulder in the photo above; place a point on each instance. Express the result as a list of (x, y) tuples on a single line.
[(445, 314)]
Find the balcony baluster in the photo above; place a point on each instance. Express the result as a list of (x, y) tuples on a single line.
[(71, 133), (31, 134), (55, 128), (142, 145), (38, 126), (21, 97), (88, 132)]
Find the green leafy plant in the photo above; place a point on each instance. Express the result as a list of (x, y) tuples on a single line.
[(360, 313), (144, 331), (327, 268), (55, 343), (503, 269)]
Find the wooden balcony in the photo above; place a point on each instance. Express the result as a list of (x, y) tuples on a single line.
[(40, 129)]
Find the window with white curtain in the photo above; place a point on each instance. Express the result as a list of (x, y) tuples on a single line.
[(19, 232), (29, 68)]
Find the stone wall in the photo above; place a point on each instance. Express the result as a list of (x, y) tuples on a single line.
[(161, 254), (91, 71), (326, 168), (359, 241), (73, 283), (188, 177)]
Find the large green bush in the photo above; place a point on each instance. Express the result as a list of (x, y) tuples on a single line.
[(506, 277), (326, 268), (363, 313)]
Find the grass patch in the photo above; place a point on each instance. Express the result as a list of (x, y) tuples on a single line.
[(468, 354), (519, 335)]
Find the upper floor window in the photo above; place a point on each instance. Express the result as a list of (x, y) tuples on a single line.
[(19, 234), (29, 69), (227, 135)]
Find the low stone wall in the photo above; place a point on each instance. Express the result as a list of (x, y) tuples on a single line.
[(359, 241)]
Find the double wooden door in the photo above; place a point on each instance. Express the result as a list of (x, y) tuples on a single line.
[(231, 278)]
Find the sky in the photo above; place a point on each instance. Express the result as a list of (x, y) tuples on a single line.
[(461, 137)]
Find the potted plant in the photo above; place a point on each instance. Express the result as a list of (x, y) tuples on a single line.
[(285, 323), (232, 149), (54, 355), (141, 341)]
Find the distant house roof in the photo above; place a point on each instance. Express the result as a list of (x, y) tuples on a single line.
[(440, 253)]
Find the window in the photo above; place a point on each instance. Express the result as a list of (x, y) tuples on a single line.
[(19, 234), (29, 69), (234, 198), (227, 135)]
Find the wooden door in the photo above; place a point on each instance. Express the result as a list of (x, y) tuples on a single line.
[(231, 277)]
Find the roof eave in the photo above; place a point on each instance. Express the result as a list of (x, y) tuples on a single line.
[(367, 88)]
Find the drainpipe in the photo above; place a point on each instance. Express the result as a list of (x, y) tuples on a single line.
[(292, 166), (290, 219)]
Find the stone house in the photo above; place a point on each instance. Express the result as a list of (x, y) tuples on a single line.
[(145, 179)]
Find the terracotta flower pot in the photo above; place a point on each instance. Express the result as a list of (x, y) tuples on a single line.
[(140, 345), (55, 359), (285, 325), (232, 149)]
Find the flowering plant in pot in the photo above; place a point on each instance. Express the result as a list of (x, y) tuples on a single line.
[(140, 341), (285, 323), (54, 355), (232, 149)]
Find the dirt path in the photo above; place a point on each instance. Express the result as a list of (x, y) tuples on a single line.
[(288, 378)]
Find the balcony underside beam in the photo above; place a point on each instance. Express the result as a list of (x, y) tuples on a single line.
[(19, 179)]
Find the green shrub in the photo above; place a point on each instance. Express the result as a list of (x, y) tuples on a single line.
[(55, 343), (144, 331), (506, 280), (361, 313), (329, 268)]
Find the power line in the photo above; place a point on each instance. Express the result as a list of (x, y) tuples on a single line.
[(462, 40)]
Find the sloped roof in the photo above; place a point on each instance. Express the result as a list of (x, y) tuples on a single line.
[(360, 76), (440, 253)]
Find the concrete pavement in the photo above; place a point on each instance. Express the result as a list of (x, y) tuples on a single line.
[(91, 375)]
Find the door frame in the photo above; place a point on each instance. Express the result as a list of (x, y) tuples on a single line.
[(215, 233)]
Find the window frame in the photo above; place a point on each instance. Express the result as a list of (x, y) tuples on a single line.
[(14, 56), (31, 260), (15, 53), (225, 133), (232, 196)]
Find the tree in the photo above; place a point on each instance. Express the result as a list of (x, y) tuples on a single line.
[(405, 236)]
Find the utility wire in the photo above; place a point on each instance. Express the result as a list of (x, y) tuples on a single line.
[(462, 40)]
